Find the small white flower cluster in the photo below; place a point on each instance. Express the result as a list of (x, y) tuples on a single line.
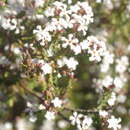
[(50, 115), (96, 48), (111, 101), (71, 63), (107, 81), (8, 16), (103, 113), (45, 67), (110, 65), (122, 64), (81, 121), (42, 35), (114, 123), (120, 68), (61, 18), (119, 82), (76, 16), (72, 42), (11, 24), (57, 102), (107, 61), (121, 79)]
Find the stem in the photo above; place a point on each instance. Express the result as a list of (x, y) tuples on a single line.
[(81, 110), (65, 118)]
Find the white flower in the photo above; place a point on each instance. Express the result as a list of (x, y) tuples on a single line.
[(41, 107), (112, 99), (104, 67), (57, 102), (62, 124), (70, 41), (82, 122), (118, 82), (10, 24), (94, 56), (69, 1), (33, 118), (103, 113), (8, 126), (74, 9), (57, 24), (29, 104), (75, 118), (84, 45), (60, 5), (107, 60), (83, 26), (86, 122), (76, 49), (114, 123), (121, 98), (42, 35), (107, 81), (122, 64), (71, 63), (108, 57), (16, 50), (96, 48), (49, 12), (46, 68), (50, 115), (60, 62)]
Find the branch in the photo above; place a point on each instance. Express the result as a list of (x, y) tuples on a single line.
[(81, 110)]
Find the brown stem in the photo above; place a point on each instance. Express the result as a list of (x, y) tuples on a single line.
[(81, 110), (65, 118)]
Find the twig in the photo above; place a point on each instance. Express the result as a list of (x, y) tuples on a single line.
[(65, 118), (81, 110)]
